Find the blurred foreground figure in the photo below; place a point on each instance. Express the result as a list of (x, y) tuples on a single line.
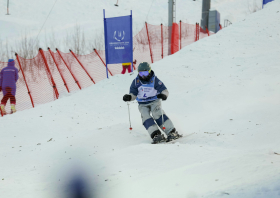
[(8, 79), (78, 188)]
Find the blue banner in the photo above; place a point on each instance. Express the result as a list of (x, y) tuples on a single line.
[(266, 1), (118, 39)]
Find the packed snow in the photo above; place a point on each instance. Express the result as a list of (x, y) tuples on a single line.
[(224, 99)]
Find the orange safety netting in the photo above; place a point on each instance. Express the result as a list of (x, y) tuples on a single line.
[(49, 74)]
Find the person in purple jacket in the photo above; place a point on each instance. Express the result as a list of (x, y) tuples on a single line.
[(8, 79)]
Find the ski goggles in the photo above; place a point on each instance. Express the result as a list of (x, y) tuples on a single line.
[(144, 73)]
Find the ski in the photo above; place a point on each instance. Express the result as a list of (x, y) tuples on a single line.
[(175, 141)]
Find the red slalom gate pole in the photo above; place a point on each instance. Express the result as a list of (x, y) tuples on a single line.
[(59, 70), (68, 68), (82, 66), (161, 41), (102, 61), (49, 71), (149, 42), (25, 80)]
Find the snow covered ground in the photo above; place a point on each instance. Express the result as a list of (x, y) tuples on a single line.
[(28, 16), (224, 98)]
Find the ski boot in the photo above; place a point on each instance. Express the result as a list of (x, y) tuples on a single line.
[(3, 109), (157, 137), (173, 135), (13, 108)]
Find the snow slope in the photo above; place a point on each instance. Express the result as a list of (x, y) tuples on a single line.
[(224, 98), (28, 16)]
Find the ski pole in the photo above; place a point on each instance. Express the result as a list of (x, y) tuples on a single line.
[(129, 116), (163, 127)]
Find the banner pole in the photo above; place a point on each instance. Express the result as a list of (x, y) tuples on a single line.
[(105, 37), (131, 40)]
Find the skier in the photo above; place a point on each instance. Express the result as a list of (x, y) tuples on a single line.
[(8, 79), (147, 89)]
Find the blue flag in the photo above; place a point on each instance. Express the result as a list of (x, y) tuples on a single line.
[(266, 1), (118, 39)]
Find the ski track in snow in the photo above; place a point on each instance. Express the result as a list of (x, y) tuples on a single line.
[(224, 91)]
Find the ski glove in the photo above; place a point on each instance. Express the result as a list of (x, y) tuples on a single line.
[(127, 97), (162, 96)]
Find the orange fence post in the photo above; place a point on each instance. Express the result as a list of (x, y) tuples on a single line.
[(161, 41), (82, 66), (207, 31), (50, 74), (195, 39), (25, 81), (197, 31), (102, 61), (180, 34), (220, 27), (175, 38), (58, 70), (149, 42), (68, 69)]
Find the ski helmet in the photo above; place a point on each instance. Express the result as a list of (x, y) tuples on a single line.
[(144, 66)]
